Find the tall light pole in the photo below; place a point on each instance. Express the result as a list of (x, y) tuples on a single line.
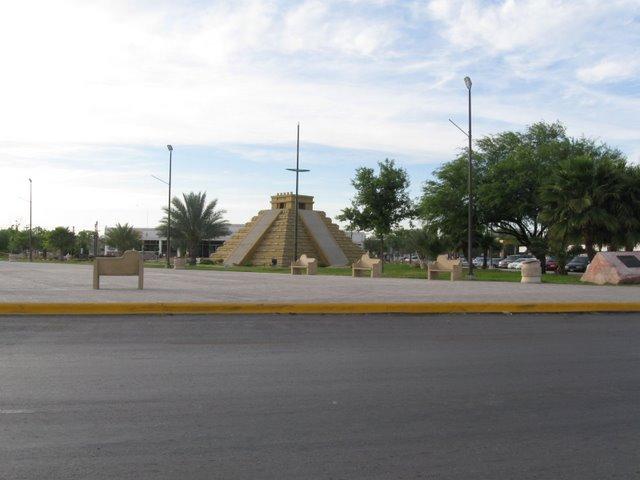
[(467, 82), (169, 212), (297, 170), (30, 220)]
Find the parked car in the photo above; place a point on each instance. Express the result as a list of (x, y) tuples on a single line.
[(517, 264), (478, 261), (496, 261), (551, 264), (578, 264), (507, 260)]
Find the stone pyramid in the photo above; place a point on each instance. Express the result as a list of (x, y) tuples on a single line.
[(270, 235)]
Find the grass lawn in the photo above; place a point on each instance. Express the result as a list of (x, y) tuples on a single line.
[(391, 270)]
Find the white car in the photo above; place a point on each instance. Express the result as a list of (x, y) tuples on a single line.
[(517, 265)]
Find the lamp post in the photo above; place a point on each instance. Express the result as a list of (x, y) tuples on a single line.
[(297, 170), (30, 220), (169, 211), (467, 82)]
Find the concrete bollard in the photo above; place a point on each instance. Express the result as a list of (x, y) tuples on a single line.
[(531, 271)]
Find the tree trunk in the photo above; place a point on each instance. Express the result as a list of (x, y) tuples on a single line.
[(381, 237), (193, 253), (588, 245), (484, 260)]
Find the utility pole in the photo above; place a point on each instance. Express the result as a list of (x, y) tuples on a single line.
[(30, 220), (169, 212), (297, 170), (467, 82)]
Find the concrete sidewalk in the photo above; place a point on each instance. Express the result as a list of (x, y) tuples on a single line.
[(60, 283)]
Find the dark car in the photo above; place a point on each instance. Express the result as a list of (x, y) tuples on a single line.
[(578, 264), (551, 264)]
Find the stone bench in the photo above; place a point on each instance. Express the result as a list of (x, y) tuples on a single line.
[(304, 266), (444, 264), (366, 266), (129, 264)]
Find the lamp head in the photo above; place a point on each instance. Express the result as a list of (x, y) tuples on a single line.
[(170, 148), (467, 82)]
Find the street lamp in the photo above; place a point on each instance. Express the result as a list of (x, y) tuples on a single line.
[(467, 82), (30, 220), (297, 170), (169, 212)]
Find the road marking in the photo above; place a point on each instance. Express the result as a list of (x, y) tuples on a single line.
[(15, 411)]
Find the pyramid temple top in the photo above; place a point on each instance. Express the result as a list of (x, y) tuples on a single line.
[(287, 201)]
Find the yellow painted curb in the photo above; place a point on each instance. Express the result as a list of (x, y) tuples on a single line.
[(308, 308)]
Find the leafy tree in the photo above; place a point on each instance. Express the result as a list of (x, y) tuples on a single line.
[(5, 237), (444, 204), (372, 245), (18, 240), (426, 243), (61, 240), (122, 238), (518, 165), (586, 197), (192, 220), (84, 242), (487, 242), (510, 169), (381, 201)]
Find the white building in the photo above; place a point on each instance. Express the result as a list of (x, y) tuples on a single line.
[(153, 242)]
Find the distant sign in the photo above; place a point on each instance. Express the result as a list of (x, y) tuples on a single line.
[(630, 261)]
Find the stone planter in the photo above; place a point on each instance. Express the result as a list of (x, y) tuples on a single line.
[(179, 263), (531, 271)]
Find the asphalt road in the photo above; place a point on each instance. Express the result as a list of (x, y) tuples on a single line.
[(331, 397)]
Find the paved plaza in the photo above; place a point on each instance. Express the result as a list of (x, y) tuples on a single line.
[(42, 282)]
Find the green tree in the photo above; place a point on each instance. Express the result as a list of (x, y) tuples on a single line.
[(61, 240), (122, 238), (487, 242), (18, 240), (444, 204), (426, 243), (84, 242), (585, 198), (381, 201), (5, 237), (510, 169), (192, 220)]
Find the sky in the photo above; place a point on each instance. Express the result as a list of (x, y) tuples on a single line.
[(91, 92)]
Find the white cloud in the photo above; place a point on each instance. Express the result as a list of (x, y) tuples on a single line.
[(609, 70), (82, 78)]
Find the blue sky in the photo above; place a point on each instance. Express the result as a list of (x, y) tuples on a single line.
[(93, 91)]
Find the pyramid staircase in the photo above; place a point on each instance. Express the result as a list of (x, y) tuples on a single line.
[(270, 235)]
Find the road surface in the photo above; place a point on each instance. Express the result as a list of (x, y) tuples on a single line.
[(320, 397)]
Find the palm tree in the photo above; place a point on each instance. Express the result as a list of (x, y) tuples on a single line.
[(192, 220), (122, 238), (584, 200)]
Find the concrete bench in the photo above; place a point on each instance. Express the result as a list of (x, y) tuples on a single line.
[(304, 266), (366, 266), (130, 264), (444, 264)]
